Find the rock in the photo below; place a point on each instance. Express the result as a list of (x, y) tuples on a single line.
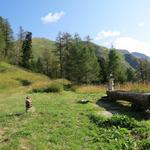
[(83, 101)]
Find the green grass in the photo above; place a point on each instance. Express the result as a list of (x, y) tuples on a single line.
[(59, 121), (13, 77), (40, 44)]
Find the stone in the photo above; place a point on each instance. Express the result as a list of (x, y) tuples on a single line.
[(28, 104)]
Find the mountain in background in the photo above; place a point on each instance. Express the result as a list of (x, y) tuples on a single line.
[(129, 59), (140, 56)]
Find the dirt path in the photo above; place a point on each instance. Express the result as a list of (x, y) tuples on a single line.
[(119, 107)]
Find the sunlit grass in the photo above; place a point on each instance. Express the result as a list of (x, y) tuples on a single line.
[(135, 87), (90, 89), (11, 78)]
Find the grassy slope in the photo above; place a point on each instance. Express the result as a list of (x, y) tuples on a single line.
[(59, 122), (13, 78), (40, 44)]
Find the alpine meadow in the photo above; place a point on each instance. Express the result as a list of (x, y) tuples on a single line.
[(74, 75)]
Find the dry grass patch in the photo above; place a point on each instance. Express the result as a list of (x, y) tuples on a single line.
[(2, 131), (91, 89), (136, 87), (24, 144)]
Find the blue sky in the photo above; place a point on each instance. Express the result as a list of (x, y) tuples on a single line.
[(123, 23)]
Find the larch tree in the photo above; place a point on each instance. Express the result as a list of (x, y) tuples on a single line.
[(115, 66), (59, 53)]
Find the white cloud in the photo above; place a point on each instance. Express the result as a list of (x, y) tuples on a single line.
[(106, 34), (109, 38), (132, 45), (52, 17), (141, 24)]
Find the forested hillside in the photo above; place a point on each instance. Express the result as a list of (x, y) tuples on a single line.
[(40, 44), (70, 57)]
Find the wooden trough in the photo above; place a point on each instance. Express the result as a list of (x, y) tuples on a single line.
[(140, 101)]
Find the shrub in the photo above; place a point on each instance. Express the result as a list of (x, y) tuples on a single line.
[(144, 145), (25, 82), (119, 121), (53, 87), (141, 132)]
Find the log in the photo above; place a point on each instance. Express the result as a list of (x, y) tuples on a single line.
[(139, 100)]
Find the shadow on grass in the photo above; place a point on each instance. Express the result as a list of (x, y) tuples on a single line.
[(123, 108), (24, 82), (12, 115)]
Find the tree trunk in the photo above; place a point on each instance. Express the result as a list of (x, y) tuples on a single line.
[(140, 100)]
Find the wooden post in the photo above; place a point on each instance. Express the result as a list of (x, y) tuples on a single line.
[(111, 83)]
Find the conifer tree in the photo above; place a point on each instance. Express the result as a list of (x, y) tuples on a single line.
[(103, 63), (39, 65), (2, 42), (59, 52), (6, 39), (73, 61), (27, 50), (89, 67), (115, 66), (130, 73)]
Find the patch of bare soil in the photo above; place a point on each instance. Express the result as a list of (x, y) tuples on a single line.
[(105, 113), (24, 144), (120, 107), (3, 140), (2, 131), (114, 107)]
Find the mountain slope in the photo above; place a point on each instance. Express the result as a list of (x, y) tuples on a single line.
[(141, 56), (13, 77), (129, 59), (41, 44)]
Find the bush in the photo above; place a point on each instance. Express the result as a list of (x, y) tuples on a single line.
[(24, 82), (144, 145), (53, 87), (141, 132), (119, 121)]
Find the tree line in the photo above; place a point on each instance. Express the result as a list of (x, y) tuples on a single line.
[(72, 58)]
